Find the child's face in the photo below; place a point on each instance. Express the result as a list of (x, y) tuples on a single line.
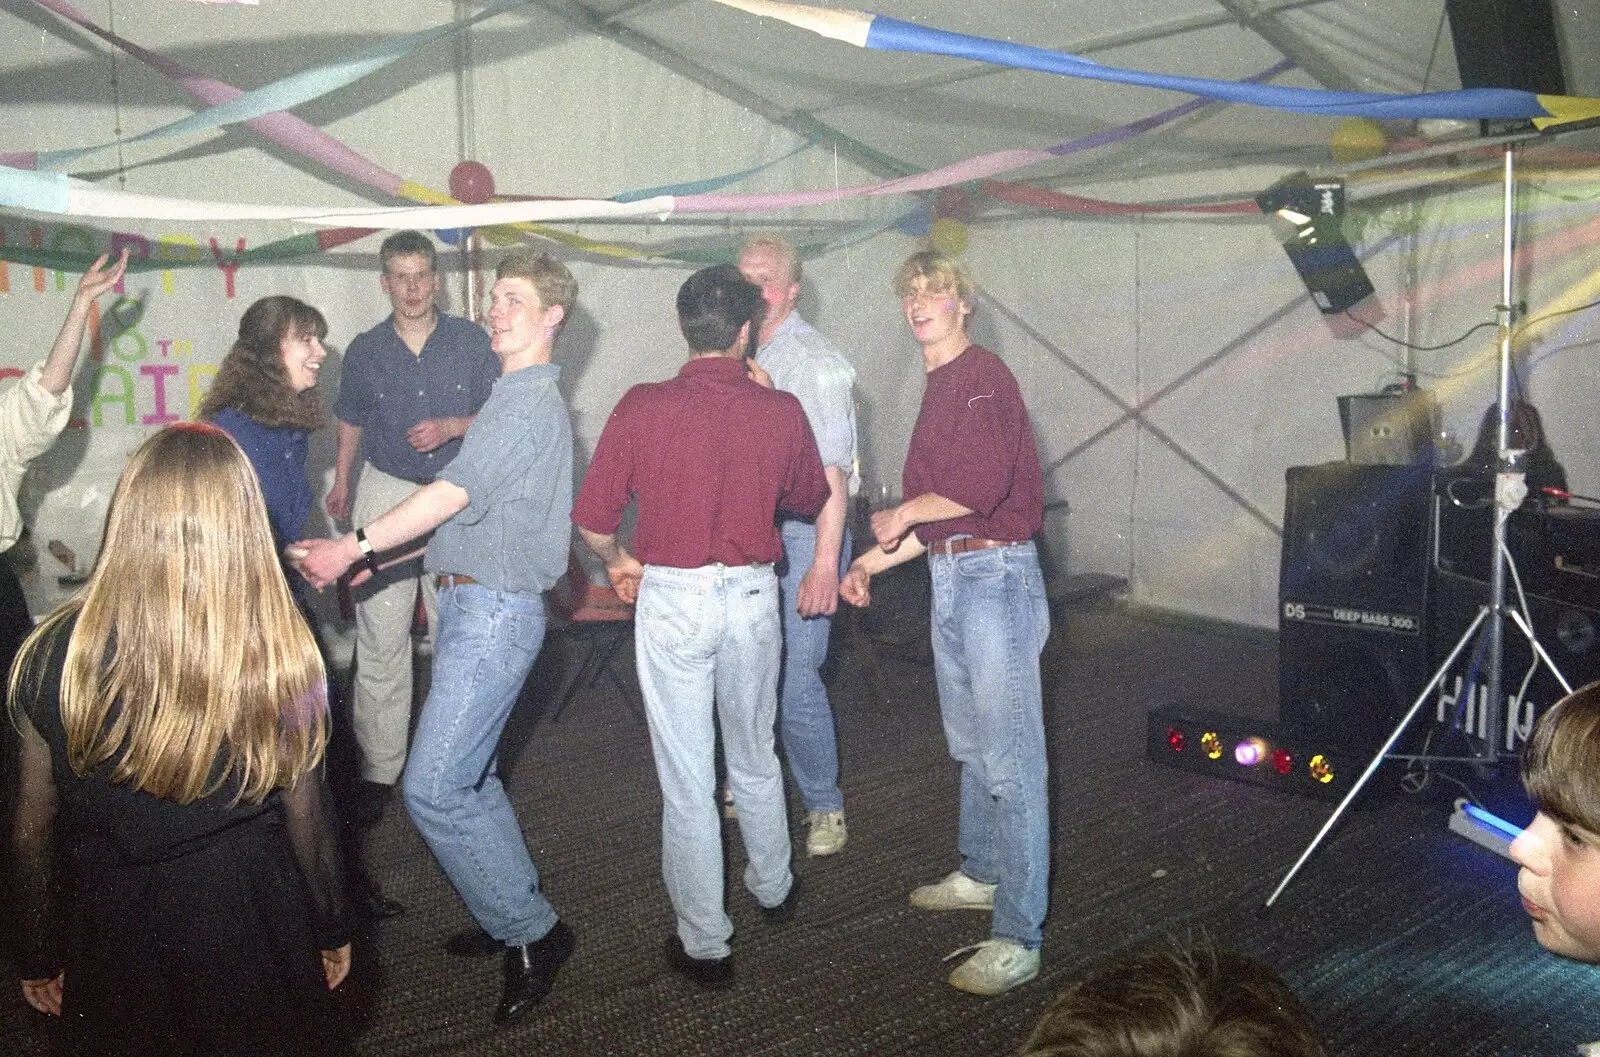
[(1560, 886)]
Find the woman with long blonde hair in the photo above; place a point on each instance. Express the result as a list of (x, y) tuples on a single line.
[(173, 718)]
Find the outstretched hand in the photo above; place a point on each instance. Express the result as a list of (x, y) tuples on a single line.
[(96, 282), (321, 562)]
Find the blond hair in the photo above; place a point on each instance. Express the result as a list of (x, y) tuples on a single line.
[(942, 271), (549, 277), (188, 649), (779, 247)]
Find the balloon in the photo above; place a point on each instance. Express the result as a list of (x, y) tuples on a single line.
[(472, 182), (451, 236), (948, 235), (952, 202), (1356, 139), (915, 222)]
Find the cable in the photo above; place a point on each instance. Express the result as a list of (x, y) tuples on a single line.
[(1419, 348), (1471, 331), (1562, 312)]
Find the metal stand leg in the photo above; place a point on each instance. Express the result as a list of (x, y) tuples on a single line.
[(1383, 750)]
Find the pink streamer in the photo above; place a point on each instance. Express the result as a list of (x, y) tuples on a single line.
[(284, 129), (981, 167)]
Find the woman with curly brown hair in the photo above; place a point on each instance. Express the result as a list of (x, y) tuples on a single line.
[(171, 775), (265, 397)]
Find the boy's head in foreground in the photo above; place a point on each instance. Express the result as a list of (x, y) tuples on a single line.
[(1559, 852), (1186, 1000)]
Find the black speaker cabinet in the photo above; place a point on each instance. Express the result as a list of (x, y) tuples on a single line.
[(1506, 44), (1557, 555), (1353, 593), (1567, 630)]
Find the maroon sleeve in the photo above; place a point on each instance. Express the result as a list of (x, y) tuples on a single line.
[(608, 485), (805, 489)]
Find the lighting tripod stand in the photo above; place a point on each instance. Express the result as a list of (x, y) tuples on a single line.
[(1510, 488)]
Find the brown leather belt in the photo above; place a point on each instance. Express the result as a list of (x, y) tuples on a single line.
[(969, 543), (454, 580)]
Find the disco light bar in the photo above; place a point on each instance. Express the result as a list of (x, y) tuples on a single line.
[(1255, 751)]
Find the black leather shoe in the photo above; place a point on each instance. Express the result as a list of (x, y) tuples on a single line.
[(530, 971), (376, 906), (473, 943), (714, 974), (784, 911)]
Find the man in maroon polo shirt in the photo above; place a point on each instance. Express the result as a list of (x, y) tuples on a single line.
[(975, 498), (711, 456)]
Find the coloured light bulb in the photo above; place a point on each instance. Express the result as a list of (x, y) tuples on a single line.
[(1176, 739), (1321, 768), (1211, 744), (1249, 752), (1282, 762)]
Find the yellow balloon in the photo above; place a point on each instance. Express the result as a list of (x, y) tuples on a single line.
[(948, 235), (1356, 139)]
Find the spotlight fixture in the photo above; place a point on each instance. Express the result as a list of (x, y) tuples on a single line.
[(1307, 217)]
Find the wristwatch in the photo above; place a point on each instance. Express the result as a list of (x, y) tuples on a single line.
[(368, 555)]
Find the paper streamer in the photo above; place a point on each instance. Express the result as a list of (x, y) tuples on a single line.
[(880, 33), (970, 170), (287, 92)]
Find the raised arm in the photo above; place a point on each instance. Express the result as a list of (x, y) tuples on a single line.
[(97, 279)]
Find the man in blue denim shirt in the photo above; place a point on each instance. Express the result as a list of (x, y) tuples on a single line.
[(501, 511), (801, 361)]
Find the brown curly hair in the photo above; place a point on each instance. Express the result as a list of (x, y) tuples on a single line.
[(252, 378)]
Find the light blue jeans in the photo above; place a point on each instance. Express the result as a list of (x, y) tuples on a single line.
[(487, 643), (990, 622), (805, 718), (707, 640)]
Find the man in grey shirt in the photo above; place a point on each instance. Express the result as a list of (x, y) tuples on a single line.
[(502, 510), (803, 362)]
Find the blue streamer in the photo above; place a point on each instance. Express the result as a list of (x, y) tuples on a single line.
[(1471, 104), (39, 192), (291, 91), (710, 183)]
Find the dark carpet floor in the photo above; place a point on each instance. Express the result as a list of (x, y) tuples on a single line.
[(1401, 937)]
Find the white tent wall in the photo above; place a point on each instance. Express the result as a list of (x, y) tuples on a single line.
[(1203, 316)]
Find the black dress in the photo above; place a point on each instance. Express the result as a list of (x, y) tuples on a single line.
[(183, 929)]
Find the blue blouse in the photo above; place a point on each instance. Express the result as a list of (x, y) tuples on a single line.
[(278, 454)]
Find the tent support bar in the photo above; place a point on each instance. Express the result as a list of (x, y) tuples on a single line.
[(801, 124), (1132, 412)]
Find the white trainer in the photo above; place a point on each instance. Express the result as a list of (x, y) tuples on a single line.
[(998, 966), (956, 891), (826, 834)]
